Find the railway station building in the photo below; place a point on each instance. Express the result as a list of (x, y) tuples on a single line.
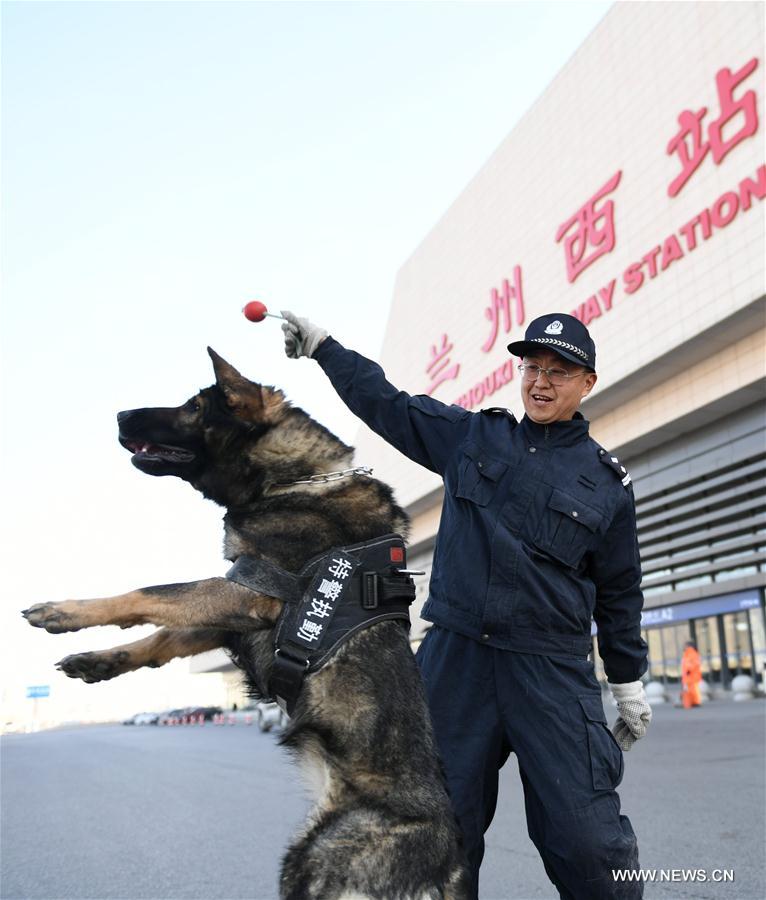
[(631, 196)]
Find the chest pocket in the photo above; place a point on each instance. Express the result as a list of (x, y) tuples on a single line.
[(478, 475), (567, 528)]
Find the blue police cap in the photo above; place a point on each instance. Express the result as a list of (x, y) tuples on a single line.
[(561, 333)]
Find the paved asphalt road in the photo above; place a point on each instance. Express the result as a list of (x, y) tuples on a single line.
[(146, 812)]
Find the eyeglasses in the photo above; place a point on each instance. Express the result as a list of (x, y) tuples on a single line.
[(557, 377)]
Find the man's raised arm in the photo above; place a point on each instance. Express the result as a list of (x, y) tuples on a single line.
[(423, 429)]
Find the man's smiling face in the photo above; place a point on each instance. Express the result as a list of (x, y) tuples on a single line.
[(545, 402)]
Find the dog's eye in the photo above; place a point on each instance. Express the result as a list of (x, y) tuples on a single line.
[(193, 405)]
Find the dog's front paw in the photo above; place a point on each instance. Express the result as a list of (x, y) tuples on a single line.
[(92, 667), (53, 617)]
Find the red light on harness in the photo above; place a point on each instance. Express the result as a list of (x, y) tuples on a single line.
[(397, 554)]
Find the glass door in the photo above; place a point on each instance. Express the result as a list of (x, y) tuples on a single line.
[(709, 647)]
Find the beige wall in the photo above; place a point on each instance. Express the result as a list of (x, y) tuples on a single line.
[(739, 370)]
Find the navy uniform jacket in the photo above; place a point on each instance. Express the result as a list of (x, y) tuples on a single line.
[(537, 532)]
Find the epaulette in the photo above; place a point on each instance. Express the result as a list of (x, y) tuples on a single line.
[(500, 410), (616, 466)]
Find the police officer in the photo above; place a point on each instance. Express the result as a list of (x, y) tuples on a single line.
[(537, 537)]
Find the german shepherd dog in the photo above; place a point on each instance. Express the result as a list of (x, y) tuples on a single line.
[(383, 827)]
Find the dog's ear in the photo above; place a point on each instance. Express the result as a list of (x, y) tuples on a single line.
[(246, 398)]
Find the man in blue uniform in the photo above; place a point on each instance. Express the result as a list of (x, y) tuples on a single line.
[(537, 537)]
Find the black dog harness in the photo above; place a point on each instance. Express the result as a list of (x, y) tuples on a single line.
[(334, 596)]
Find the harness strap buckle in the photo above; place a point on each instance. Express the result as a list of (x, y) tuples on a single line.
[(287, 679), (280, 652), (370, 590)]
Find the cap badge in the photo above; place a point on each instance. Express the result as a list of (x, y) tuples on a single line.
[(555, 327)]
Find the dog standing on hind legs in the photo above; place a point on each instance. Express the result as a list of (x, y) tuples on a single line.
[(382, 828)]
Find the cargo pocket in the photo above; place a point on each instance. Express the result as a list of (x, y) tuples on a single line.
[(567, 528), (606, 761), (478, 475)]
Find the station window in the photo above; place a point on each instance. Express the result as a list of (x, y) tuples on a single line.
[(758, 631), (737, 631), (693, 582), (709, 647), (666, 647), (735, 555), (736, 573), (656, 666)]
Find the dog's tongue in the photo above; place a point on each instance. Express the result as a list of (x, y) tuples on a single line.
[(137, 447), (159, 450)]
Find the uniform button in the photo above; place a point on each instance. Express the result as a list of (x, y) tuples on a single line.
[(481, 465), (485, 637), (533, 449), (574, 513)]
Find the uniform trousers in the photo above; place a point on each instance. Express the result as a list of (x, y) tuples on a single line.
[(486, 703)]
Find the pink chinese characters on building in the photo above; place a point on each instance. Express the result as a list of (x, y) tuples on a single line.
[(499, 309), (439, 369), (591, 228), (689, 144)]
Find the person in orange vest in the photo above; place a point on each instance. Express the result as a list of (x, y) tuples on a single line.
[(691, 676)]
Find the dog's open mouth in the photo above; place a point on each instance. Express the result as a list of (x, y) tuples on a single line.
[(143, 450)]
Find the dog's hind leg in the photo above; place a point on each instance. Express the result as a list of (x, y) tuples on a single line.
[(212, 603), (153, 651)]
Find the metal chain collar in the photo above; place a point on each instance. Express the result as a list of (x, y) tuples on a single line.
[(327, 476)]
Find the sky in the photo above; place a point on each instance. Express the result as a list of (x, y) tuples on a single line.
[(164, 163)]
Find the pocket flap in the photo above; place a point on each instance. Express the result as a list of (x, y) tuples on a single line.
[(488, 466), (593, 708), (575, 509)]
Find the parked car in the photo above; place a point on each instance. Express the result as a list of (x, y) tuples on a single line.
[(207, 711), (142, 718), (267, 716), (244, 714), (166, 717), (146, 718)]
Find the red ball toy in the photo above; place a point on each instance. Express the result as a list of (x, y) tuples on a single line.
[(255, 311)]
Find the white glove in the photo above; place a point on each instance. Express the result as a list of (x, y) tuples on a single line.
[(635, 713), (301, 336)]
